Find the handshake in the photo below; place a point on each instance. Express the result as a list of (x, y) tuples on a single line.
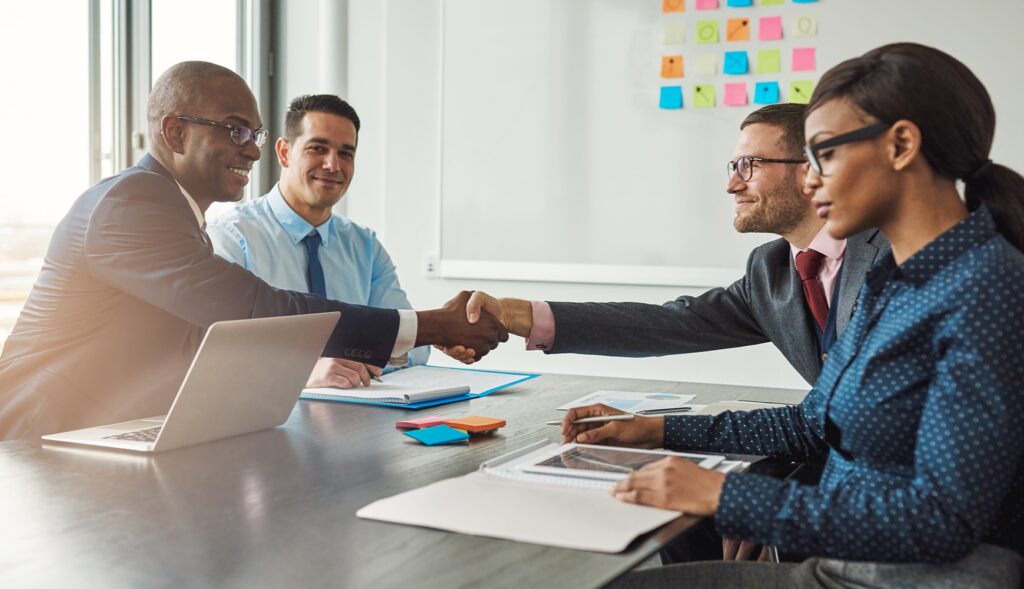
[(472, 324)]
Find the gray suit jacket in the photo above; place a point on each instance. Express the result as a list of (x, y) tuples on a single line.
[(767, 304), (128, 287)]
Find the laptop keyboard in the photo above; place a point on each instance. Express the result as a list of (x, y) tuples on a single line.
[(143, 435)]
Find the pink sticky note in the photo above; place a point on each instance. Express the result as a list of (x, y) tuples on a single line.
[(420, 423), (707, 4), (803, 59), (736, 94), (770, 28)]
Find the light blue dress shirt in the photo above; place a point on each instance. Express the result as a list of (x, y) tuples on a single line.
[(265, 237)]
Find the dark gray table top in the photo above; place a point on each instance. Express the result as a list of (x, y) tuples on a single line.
[(277, 508)]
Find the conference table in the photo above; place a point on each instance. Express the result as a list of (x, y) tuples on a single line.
[(277, 508)]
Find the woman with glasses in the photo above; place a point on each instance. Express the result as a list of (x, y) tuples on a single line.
[(918, 409)]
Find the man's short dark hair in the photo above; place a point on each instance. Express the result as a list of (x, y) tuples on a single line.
[(788, 117), (327, 103)]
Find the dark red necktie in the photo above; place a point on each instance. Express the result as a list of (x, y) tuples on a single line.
[(808, 265)]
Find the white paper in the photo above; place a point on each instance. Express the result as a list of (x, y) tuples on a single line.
[(631, 401), (421, 383), (481, 505)]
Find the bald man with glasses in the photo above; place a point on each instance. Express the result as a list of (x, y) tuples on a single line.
[(130, 282)]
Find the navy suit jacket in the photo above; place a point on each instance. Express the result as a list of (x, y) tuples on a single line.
[(128, 288), (767, 304)]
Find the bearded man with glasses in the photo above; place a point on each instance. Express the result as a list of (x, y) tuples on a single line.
[(131, 283)]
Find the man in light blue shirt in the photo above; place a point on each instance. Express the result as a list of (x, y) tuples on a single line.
[(291, 238)]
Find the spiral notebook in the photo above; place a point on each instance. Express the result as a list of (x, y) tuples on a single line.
[(417, 387)]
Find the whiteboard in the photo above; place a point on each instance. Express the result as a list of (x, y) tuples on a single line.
[(557, 163)]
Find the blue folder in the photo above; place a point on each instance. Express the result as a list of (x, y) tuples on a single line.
[(524, 376)]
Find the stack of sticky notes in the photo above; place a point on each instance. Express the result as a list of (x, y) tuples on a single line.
[(432, 431)]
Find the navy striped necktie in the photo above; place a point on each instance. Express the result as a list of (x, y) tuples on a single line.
[(314, 272)]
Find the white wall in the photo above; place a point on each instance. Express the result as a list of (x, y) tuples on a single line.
[(393, 80)]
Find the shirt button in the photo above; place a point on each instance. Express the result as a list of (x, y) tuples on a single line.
[(824, 357)]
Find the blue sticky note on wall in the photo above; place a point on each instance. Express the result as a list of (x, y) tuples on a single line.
[(736, 63), (803, 1), (766, 93), (740, 3), (439, 434), (671, 97)]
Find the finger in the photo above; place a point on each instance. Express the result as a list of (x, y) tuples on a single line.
[(374, 370), (627, 496), (474, 304), (601, 434), (763, 557), (729, 548), (345, 378), (362, 375), (747, 550)]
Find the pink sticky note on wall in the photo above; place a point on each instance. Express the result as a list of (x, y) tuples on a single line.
[(707, 4), (803, 59), (770, 28), (735, 94)]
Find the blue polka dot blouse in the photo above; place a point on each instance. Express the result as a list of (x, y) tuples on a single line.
[(918, 410)]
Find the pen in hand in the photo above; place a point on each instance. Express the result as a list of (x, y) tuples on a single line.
[(597, 419)]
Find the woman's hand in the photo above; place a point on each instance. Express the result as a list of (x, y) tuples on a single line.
[(640, 432), (673, 483)]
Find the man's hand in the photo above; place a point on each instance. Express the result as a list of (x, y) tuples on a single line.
[(449, 327), (733, 549), (673, 483), (515, 315), (640, 432), (341, 374)]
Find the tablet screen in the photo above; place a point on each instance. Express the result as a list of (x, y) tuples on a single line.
[(605, 460)]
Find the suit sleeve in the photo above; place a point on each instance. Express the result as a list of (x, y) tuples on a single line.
[(143, 240), (720, 318)]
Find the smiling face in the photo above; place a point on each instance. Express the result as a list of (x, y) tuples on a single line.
[(772, 201), (859, 189), (317, 166), (212, 167)]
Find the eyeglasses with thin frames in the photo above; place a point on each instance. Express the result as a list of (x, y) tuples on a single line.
[(744, 166), (811, 151), (240, 134)]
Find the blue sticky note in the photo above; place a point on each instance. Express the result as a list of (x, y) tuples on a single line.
[(439, 434), (671, 97), (766, 93), (736, 63), (739, 3), (803, 1)]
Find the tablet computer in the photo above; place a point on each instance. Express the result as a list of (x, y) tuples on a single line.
[(604, 462)]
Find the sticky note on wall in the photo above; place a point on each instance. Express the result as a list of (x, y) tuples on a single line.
[(740, 3), (707, 4), (772, 2), (705, 64), (673, 33), (671, 97), (672, 66), (735, 63), (804, 26), (737, 29), (803, 59), (707, 31), (704, 96), (735, 94), (769, 28), (800, 91), (769, 61), (673, 5), (766, 93), (804, 1)]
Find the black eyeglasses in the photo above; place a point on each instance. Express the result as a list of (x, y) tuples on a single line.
[(869, 132), (744, 166), (240, 134)]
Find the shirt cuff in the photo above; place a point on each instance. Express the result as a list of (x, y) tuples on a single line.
[(408, 324), (542, 334), (687, 432)]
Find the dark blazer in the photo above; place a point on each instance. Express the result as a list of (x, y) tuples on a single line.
[(767, 304), (128, 287)]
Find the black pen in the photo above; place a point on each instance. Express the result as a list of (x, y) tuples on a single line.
[(664, 411)]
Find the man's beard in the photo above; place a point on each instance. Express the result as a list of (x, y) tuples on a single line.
[(778, 211)]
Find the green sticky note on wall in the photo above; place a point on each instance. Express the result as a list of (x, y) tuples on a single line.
[(707, 32), (704, 96), (769, 61), (800, 92), (772, 2)]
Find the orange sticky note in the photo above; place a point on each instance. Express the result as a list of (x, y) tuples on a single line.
[(672, 66), (737, 29), (673, 5), (475, 423)]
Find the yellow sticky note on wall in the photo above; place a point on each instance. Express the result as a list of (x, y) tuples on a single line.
[(804, 26), (800, 91), (704, 96), (769, 61), (707, 32), (705, 64), (672, 66)]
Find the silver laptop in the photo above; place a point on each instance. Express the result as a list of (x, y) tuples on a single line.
[(245, 377)]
